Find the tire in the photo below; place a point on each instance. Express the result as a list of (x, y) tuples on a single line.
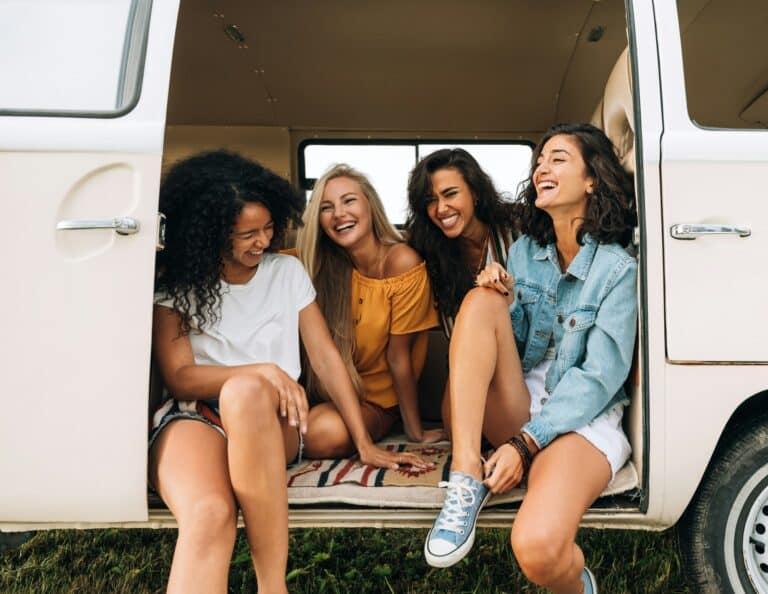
[(724, 531), (11, 540)]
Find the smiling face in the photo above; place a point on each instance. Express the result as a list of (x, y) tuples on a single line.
[(345, 213), (251, 236), (560, 177), (451, 207)]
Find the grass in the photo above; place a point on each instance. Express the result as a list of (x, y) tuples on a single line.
[(332, 561)]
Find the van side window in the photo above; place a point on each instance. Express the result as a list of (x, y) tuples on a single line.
[(388, 163), (72, 58), (725, 57)]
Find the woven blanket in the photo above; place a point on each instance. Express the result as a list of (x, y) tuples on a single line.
[(328, 473)]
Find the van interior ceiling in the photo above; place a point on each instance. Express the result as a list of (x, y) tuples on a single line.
[(504, 69)]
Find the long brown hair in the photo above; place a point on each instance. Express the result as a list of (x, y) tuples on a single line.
[(330, 269)]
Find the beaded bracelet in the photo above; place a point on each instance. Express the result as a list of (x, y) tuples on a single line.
[(519, 444)]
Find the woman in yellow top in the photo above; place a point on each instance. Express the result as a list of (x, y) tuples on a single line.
[(375, 294)]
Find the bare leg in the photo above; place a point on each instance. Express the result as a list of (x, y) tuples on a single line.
[(188, 467), (566, 477), (327, 434), (487, 389), (259, 442)]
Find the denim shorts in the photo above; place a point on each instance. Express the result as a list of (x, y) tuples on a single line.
[(205, 411)]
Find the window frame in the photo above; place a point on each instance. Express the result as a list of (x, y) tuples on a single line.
[(131, 70)]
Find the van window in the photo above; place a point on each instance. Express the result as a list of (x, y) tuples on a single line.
[(725, 57), (388, 164), (71, 58)]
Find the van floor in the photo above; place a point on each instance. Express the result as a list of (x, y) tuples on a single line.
[(346, 481)]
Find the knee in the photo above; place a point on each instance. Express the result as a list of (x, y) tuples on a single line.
[(540, 553), (209, 521), (327, 436), (247, 399), (481, 301)]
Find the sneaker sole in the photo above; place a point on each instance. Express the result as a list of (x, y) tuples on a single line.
[(443, 561)]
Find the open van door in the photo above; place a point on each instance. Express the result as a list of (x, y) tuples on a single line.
[(82, 113), (715, 228)]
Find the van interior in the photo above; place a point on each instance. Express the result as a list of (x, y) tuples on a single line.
[(266, 78)]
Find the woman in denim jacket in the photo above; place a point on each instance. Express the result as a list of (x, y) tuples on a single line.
[(550, 340)]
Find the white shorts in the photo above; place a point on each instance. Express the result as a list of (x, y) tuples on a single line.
[(604, 432)]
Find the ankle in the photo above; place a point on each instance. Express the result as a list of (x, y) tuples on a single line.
[(471, 465)]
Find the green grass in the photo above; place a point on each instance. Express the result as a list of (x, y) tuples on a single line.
[(332, 561)]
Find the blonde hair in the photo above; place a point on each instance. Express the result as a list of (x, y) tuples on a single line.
[(330, 269)]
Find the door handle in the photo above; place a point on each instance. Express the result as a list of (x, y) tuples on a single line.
[(692, 231), (121, 225)]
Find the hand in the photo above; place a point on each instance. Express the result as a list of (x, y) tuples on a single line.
[(504, 469), (293, 400), (381, 458), (494, 276)]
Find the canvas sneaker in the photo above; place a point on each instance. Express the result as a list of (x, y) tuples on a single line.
[(453, 532)]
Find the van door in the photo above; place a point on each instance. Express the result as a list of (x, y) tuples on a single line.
[(82, 112), (713, 171)]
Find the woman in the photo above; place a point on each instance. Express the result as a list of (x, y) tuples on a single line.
[(549, 339), (459, 223), (227, 321), (374, 293)]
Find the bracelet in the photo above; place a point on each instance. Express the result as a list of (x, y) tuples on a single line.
[(519, 444)]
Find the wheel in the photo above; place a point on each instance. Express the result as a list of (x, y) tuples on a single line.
[(724, 531), (11, 540)]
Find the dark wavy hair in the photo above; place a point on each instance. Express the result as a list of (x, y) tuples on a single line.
[(610, 216), (448, 269), (201, 198)]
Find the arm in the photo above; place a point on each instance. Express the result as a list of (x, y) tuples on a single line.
[(404, 380), (585, 390), (187, 380), (329, 367)]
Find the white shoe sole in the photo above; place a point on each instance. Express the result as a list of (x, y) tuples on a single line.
[(454, 557)]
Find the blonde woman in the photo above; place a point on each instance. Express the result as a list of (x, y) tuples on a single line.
[(374, 292)]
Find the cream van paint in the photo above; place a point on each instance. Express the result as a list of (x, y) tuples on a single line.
[(98, 99)]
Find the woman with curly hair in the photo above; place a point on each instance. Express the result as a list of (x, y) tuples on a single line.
[(458, 223), (227, 321), (374, 292), (548, 339)]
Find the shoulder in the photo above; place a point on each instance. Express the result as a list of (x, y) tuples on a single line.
[(523, 246), (283, 264), (615, 256), (401, 259)]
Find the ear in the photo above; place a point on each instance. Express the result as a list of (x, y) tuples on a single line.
[(591, 185)]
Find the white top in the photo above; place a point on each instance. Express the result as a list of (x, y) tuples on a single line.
[(259, 320)]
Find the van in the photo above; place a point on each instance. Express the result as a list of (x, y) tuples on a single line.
[(97, 97)]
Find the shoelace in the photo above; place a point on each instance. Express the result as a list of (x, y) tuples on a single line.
[(457, 499)]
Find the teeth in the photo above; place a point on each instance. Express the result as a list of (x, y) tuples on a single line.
[(344, 227)]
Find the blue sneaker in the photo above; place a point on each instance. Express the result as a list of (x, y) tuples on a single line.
[(453, 533), (589, 581)]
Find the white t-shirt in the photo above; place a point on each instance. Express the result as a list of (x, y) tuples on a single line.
[(259, 321)]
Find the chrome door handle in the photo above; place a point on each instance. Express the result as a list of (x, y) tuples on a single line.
[(121, 225), (692, 231)]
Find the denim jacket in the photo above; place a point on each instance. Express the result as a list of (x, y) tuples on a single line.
[(592, 311)]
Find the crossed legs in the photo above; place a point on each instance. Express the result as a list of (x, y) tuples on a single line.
[(203, 478)]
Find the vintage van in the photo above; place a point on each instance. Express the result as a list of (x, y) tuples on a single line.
[(96, 96)]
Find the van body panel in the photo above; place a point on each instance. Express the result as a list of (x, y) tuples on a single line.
[(715, 296), (79, 308)]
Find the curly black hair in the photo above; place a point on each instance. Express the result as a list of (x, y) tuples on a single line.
[(610, 216), (449, 272), (201, 198)]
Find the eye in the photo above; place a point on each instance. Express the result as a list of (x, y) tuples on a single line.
[(558, 160), (246, 236), (349, 200), (326, 208)]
